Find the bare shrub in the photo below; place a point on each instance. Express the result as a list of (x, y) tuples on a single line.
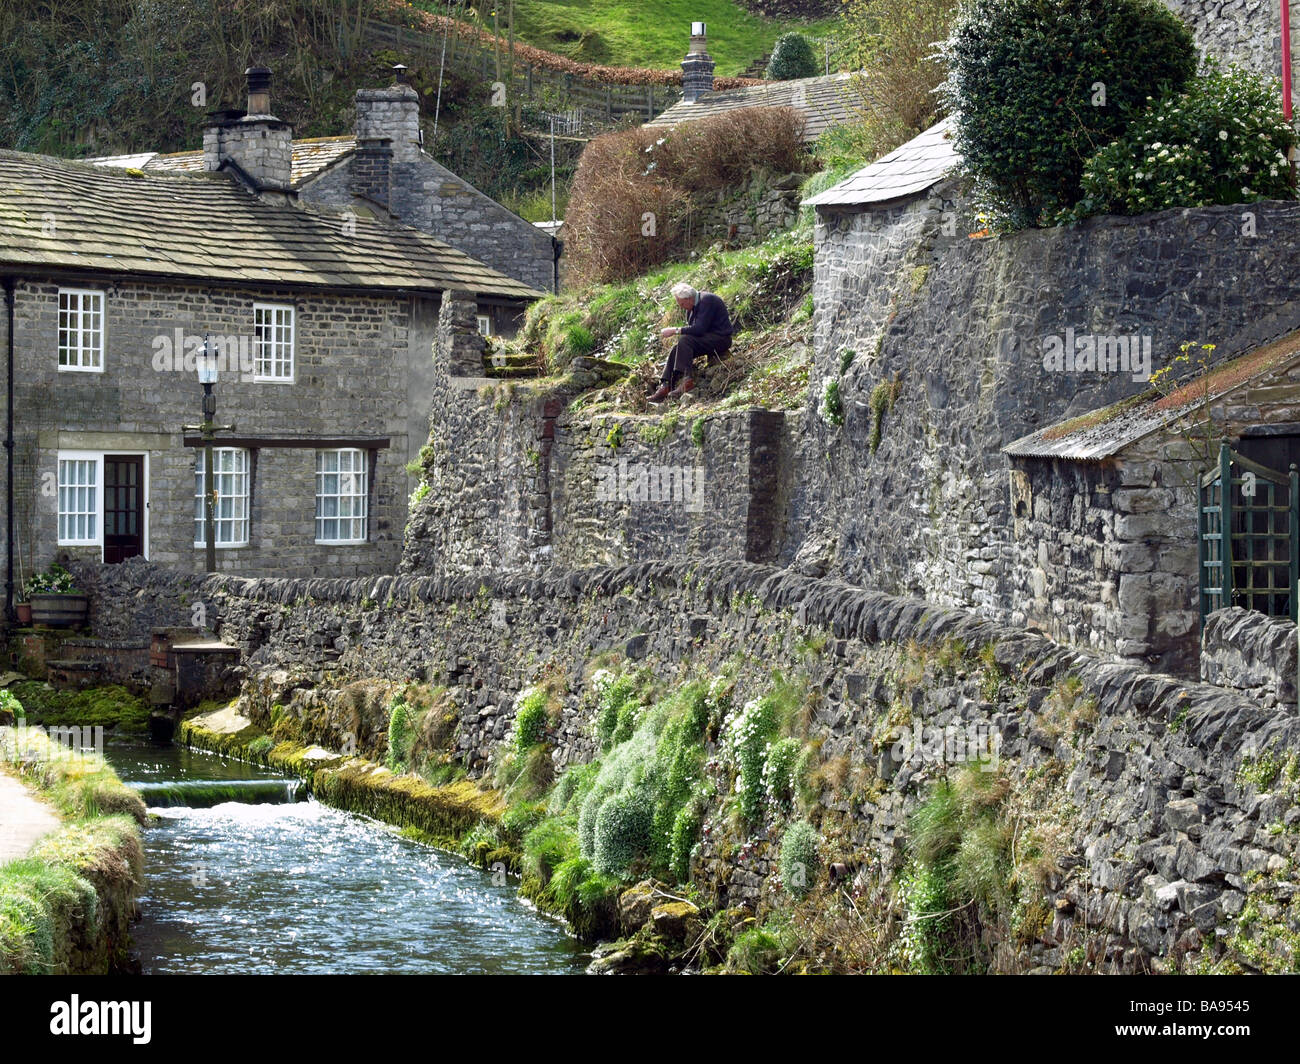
[(634, 190)]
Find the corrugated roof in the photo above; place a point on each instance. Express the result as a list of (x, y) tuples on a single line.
[(921, 163), (824, 101), (308, 158), (1104, 432), (209, 227)]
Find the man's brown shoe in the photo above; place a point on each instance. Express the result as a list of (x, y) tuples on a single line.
[(660, 395), (687, 384)]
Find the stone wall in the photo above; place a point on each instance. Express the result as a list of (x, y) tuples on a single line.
[(766, 205), (1246, 651), (1246, 32), (144, 396), (961, 325), (1168, 838), (515, 480)]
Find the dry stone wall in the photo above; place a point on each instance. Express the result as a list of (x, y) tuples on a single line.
[(962, 325), (1173, 825)]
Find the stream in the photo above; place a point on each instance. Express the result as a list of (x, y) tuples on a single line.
[(244, 876)]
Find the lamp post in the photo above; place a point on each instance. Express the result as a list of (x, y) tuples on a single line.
[(207, 430)]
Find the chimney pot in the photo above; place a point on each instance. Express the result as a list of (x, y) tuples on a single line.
[(259, 90), (697, 67)]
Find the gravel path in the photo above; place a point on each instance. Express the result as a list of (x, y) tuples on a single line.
[(23, 818)]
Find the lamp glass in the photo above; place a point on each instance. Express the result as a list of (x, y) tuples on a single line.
[(207, 369), (697, 29)]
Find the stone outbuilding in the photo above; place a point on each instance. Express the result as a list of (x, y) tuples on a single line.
[(1116, 538)]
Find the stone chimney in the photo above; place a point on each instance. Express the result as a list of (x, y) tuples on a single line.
[(391, 114), (697, 67), (254, 140), (372, 171)]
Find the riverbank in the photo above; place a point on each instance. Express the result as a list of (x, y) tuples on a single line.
[(66, 906), (647, 927)]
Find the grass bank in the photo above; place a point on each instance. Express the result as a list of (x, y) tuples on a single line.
[(66, 907)]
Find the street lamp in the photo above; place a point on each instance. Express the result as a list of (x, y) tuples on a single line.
[(207, 429)]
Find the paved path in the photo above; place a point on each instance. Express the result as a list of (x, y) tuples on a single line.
[(23, 818)]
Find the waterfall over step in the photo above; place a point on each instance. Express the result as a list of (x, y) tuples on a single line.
[(202, 794)]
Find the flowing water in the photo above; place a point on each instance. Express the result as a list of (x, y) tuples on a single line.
[(242, 877)]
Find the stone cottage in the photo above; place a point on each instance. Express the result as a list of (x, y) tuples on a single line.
[(323, 323), (382, 168), (1108, 547)]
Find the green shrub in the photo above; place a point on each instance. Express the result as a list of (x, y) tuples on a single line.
[(530, 719), (547, 846), (760, 950), (685, 834), (890, 46), (623, 831), (799, 861), (1223, 141), (522, 817), (927, 901), (792, 57), (832, 409), (1037, 86), (401, 735)]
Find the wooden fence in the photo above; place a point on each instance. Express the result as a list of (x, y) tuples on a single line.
[(597, 105)]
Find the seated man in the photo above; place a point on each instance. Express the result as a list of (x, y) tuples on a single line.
[(707, 332)]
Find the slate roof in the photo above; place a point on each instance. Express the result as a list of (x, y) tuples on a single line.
[(209, 227), (1105, 432), (824, 101), (309, 158), (921, 163)]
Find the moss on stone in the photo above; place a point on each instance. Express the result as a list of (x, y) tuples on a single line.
[(112, 706)]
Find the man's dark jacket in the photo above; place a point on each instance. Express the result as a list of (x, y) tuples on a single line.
[(709, 315)]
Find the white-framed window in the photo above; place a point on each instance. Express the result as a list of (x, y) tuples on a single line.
[(273, 332), (484, 324), (80, 480), (81, 330), (230, 514), (341, 494)]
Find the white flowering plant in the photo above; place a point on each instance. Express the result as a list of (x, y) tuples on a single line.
[(1223, 141)]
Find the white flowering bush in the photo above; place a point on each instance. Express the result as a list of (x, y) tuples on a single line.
[(781, 771), (746, 741), (1223, 141), (1035, 87)]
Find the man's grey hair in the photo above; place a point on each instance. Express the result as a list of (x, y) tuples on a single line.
[(682, 290)]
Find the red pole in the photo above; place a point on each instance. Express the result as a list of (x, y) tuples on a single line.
[(1286, 59)]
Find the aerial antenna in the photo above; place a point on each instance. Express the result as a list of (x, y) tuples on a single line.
[(442, 65)]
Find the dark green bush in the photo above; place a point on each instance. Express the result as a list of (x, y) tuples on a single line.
[(1223, 141), (792, 57), (1038, 86)]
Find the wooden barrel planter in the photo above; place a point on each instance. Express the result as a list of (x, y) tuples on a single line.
[(60, 610)]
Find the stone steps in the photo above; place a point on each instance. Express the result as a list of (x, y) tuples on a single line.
[(511, 367)]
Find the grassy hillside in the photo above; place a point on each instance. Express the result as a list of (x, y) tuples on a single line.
[(633, 33)]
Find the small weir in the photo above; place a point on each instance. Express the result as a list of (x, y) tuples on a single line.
[(245, 874), (201, 794)]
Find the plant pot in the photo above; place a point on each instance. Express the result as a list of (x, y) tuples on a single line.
[(24, 611), (66, 610)]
